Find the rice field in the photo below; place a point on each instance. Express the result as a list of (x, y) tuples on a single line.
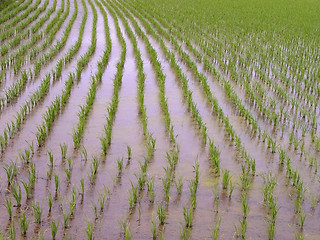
[(148, 119)]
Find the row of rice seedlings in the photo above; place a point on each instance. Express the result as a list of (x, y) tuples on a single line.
[(270, 202), (84, 59), (274, 117), (141, 177), (3, 75), (10, 11), (246, 180), (251, 166), (14, 16), (135, 194), (95, 80), (117, 81), (272, 146), (14, 31), (270, 140), (34, 37), (61, 100), (50, 27), (172, 158), (188, 213), (17, 59), (14, 90), (141, 77), (20, 36), (282, 116), (293, 175), (250, 162), (160, 80), (34, 99), (42, 60), (14, 126)]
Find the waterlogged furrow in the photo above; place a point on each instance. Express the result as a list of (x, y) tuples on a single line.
[(5, 12), (13, 15), (23, 101), (63, 98), (30, 104), (20, 38), (17, 55), (270, 141), (289, 169), (71, 51), (186, 230), (104, 94), (12, 32), (173, 120), (166, 196)]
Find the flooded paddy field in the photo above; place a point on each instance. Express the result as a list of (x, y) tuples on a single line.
[(159, 119)]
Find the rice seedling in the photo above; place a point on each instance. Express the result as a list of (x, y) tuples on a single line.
[(188, 217), (215, 230), (150, 186), (302, 218), (127, 232), (56, 182), (216, 197), (133, 196), (129, 152), (66, 217), (154, 228), (54, 228), (50, 155), (24, 224), (214, 157), (120, 165), (16, 193), (178, 183), (82, 186), (84, 153), (225, 179), (8, 206), (101, 200), (231, 188), (95, 210), (11, 172), (37, 212), (161, 214), (184, 232), (12, 231), (89, 231), (313, 201), (63, 150), (50, 199), (94, 169)]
